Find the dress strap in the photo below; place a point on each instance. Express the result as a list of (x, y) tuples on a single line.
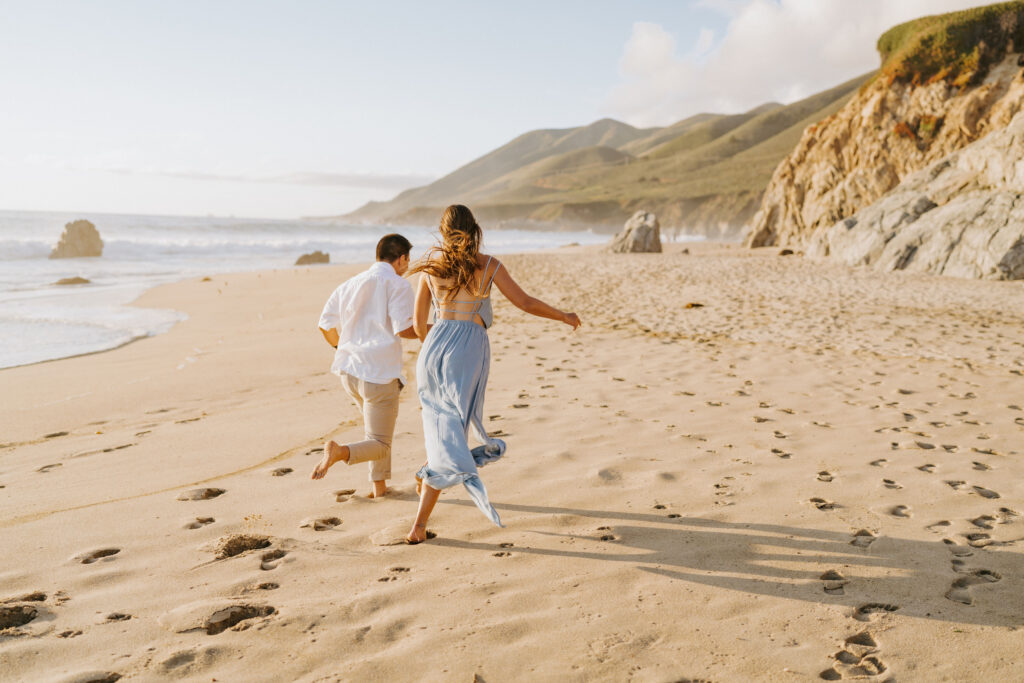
[(490, 280)]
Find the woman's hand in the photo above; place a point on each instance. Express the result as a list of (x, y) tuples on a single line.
[(571, 319)]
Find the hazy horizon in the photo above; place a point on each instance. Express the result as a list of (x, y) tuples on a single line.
[(254, 110)]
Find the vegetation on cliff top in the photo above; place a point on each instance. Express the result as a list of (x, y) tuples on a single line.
[(958, 47)]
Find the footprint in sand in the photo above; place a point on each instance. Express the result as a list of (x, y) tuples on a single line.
[(502, 553), (320, 523), (47, 468), (863, 538), (200, 522), (984, 492), (939, 526), (118, 616), (222, 620), (281, 471), (825, 475), (867, 611), (270, 559), (343, 495), (881, 462), (236, 544), (97, 555), (984, 521), (834, 582), (956, 549), (823, 504), (927, 468), (202, 494), (956, 484), (781, 453), (16, 615), (960, 590), (899, 511), (890, 484), (980, 540)]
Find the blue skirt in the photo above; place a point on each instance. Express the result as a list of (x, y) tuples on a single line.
[(452, 377)]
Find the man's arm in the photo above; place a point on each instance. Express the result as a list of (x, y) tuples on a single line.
[(409, 333), (331, 336)]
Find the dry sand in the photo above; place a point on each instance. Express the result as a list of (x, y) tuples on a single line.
[(818, 473)]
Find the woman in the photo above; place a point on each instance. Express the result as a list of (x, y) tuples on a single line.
[(456, 357)]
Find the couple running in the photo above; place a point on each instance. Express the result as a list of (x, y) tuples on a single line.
[(450, 313)]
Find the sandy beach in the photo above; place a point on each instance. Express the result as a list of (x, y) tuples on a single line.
[(744, 466)]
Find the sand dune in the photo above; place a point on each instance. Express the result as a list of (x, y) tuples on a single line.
[(817, 473)]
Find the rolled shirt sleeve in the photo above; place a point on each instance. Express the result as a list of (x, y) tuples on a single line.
[(400, 305), (330, 317)]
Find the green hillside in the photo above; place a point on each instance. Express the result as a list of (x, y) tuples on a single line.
[(706, 169), (958, 47)]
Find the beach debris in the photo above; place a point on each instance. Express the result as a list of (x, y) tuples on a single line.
[(641, 234), (313, 257), (694, 304), (79, 239), (72, 281)]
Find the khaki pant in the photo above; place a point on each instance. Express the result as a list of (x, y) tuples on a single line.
[(379, 403)]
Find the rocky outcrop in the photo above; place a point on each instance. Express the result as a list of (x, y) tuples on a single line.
[(642, 233), (313, 257), (79, 239), (886, 132), (72, 281), (961, 216)]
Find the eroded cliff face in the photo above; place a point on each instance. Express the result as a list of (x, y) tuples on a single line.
[(885, 133), (962, 216)]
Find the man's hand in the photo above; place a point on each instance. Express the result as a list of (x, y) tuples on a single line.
[(331, 336), (408, 333)]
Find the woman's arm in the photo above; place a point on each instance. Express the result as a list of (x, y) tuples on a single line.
[(532, 305), (421, 313)]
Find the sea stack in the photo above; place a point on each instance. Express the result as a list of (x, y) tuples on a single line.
[(313, 257), (80, 239), (642, 233)]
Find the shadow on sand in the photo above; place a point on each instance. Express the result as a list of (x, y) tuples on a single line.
[(925, 579)]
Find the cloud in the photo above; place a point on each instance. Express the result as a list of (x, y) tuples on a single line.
[(771, 50)]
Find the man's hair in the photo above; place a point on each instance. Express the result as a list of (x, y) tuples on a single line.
[(392, 247)]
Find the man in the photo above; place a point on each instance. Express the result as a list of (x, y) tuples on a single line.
[(363, 319)]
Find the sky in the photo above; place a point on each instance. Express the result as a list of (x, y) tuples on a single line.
[(287, 109)]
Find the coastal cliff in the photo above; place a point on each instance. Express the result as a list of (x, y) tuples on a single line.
[(945, 82)]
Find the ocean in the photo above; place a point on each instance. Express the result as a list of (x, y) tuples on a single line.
[(42, 321)]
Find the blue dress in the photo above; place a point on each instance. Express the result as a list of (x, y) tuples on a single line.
[(452, 376)]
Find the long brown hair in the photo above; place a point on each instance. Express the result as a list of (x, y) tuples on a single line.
[(455, 258)]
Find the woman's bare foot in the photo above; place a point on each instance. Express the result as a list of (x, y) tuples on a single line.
[(332, 453), (380, 489), (417, 535)]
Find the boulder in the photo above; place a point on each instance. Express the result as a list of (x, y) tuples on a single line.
[(79, 239), (962, 216), (72, 281), (642, 233), (313, 257)]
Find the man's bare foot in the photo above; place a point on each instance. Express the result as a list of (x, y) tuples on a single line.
[(332, 453), (380, 489), (417, 535)]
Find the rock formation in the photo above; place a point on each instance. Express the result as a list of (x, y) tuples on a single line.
[(72, 281), (886, 132), (313, 257), (80, 238), (642, 233), (961, 216)]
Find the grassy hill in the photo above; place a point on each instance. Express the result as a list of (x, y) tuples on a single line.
[(957, 47), (705, 173)]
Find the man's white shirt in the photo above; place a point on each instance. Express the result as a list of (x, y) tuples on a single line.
[(369, 311)]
